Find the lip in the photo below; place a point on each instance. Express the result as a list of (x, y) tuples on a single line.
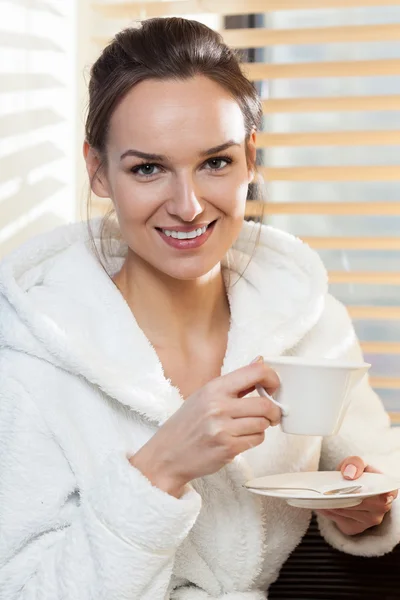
[(189, 244)]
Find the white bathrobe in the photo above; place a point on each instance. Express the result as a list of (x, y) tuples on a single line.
[(81, 388)]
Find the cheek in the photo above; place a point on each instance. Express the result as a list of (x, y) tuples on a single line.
[(232, 201), (241, 186), (134, 203)]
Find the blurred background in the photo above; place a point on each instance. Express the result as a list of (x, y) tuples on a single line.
[(328, 72)]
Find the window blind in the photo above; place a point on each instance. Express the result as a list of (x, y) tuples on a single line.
[(331, 141), (36, 119)]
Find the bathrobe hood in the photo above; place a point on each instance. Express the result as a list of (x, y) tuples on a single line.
[(61, 306)]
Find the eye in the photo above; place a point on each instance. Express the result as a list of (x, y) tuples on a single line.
[(146, 169), (219, 163)]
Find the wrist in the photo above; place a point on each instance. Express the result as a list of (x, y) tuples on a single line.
[(157, 473)]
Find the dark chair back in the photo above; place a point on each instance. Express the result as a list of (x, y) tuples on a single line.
[(315, 571)]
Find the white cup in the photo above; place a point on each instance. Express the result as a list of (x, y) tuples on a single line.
[(314, 394)]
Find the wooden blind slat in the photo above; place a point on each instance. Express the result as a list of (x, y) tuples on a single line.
[(329, 138), (380, 347), (332, 104), (323, 208), (353, 243), (129, 10), (255, 208), (395, 417), (305, 105), (343, 173), (368, 278), (260, 37), (359, 68), (379, 313), (141, 10), (385, 383)]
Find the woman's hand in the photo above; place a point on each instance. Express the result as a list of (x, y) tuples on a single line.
[(213, 426), (370, 512)]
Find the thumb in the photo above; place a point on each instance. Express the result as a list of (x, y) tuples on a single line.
[(352, 467)]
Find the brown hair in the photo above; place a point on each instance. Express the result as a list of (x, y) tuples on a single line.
[(163, 48)]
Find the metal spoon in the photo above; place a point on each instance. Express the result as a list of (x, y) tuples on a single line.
[(350, 489)]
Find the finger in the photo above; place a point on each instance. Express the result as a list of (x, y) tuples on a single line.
[(367, 517), (245, 392), (377, 503), (393, 494), (248, 426), (369, 469), (352, 467), (254, 406), (247, 377), (346, 526), (382, 498), (344, 513), (246, 442)]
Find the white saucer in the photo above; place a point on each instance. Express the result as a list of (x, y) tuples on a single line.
[(373, 484)]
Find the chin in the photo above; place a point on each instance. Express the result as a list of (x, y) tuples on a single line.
[(193, 269)]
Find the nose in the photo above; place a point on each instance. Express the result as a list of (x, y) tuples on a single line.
[(185, 203)]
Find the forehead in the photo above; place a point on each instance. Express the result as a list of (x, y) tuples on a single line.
[(193, 114)]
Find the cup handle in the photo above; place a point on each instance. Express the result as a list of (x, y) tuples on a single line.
[(262, 392)]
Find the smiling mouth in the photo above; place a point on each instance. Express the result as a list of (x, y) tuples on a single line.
[(186, 235), (186, 239)]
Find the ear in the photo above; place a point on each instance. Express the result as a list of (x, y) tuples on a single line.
[(97, 177), (252, 154)]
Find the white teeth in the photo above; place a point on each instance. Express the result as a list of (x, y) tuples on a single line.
[(185, 235)]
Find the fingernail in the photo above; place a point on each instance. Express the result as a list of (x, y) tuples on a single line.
[(350, 471), (258, 359)]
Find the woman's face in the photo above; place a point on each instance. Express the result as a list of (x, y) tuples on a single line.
[(177, 174)]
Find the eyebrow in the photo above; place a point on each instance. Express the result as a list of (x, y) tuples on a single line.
[(161, 158)]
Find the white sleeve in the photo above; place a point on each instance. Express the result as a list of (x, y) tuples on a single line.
[(115, 542), (365, 432)]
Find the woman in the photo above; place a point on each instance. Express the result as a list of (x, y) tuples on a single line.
[(125, 435)]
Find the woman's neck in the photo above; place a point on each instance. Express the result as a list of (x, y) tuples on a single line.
[(171, 311)]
